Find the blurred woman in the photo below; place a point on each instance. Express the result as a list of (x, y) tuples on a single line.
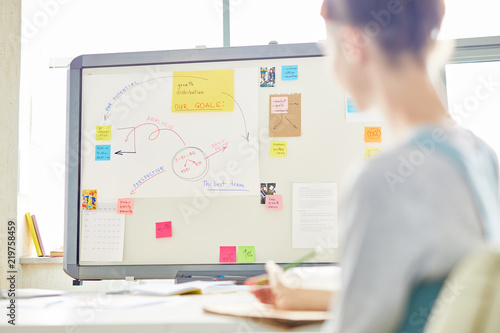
[(416, 210)]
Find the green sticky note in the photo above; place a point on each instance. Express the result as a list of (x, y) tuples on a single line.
[(246, 253)]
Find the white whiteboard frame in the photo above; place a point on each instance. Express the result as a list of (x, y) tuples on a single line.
[(73, 154)]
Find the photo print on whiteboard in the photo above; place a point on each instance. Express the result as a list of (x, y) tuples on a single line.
[(268, 77), (266, 189), (89, 198)]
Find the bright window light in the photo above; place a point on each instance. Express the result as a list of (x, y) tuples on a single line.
[(468, 19), (54, 32), (257, 22)]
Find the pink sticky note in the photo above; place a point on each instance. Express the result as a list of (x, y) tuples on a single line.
[(273, 201), (164, 229), (279, 104), (125, 207), (227, 254)]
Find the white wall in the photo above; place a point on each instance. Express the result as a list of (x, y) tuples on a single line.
[(10, 27)]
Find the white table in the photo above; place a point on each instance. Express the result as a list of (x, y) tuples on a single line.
[(98, 313)]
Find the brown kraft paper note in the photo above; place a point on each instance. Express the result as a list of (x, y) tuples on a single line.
[(285, 115)]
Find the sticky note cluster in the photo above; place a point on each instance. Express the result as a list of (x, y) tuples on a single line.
[(278, 148), (285, 115), (373, 135), (244, 254), (164, 229), (268, 75)]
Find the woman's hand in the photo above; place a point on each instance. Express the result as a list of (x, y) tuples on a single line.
[(284, 291), (261, 290)]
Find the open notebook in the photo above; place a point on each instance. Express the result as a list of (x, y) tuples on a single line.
[(195, 287)]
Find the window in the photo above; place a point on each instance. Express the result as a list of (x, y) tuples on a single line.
[(56, 31), (257, 22), (474, 97), (468, 19)]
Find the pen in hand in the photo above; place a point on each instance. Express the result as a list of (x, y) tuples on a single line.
[(308, 256)]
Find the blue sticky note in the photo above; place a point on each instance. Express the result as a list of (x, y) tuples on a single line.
[(102, 152), (351, 108), (289, 73)]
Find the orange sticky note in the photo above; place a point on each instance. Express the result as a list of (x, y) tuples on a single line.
[(373, 134), (227, 254), (164, 229), (125, 207), (273, 201)]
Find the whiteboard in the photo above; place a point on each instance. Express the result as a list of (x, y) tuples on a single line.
[(204, 220)]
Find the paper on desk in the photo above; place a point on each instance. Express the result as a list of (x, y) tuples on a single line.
[(264, 311), (32, 293), (40, 302), (314, 216), (121, 301), (102, 234), (195, 287)]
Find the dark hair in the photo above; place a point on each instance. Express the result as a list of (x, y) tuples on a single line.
[(398, 26)]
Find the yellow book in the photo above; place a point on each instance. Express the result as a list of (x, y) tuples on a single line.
[(33, 234)]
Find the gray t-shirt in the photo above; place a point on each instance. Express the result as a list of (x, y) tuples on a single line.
[(409, 218)]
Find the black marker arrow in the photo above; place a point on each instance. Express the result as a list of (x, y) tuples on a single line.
[(291, 123), (246, 136), (119, 152), (276, 126)]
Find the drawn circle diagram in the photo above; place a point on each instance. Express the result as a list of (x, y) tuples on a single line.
[(190, 163)]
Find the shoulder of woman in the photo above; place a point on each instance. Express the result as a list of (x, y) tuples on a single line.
[(408, 167)]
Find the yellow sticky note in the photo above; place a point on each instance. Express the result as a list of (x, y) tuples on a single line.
[(203, 91), (103, 133), (372, 152), (373, 134), (278, 148)]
